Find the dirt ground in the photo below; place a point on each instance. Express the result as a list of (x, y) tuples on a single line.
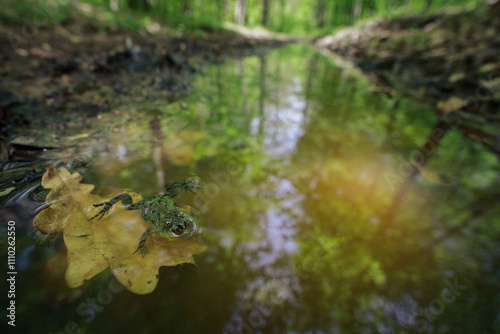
[(451, 60), (78, 71)]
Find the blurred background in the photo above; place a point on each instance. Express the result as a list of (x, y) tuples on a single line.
[(348, 153)]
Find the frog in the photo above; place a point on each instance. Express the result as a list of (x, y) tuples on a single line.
[(160, 212)]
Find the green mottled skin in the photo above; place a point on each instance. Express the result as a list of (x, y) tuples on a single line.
[(160, 212)]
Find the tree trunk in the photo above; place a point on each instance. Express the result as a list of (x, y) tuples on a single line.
[(263, 90), (320, 13), (187, 8), (433, 140), (139, 5), (220, 10), (358, 8), (265, 12), (227, 10), (244, 88), (428, 5), (240, 9)]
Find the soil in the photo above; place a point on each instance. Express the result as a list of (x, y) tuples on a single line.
[(76, 70)]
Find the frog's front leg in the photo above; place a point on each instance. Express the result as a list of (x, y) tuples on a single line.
[(173, 188), (142, 247), (126, 201)]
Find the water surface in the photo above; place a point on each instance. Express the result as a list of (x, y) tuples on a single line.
[(313, 214)]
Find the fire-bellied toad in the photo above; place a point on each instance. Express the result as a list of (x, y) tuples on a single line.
[(160, 212)]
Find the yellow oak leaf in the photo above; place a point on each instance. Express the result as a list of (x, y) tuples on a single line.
[(54, 289), (92, 246)]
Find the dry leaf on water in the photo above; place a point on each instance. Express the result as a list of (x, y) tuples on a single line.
[(452, 104), (94, 245)]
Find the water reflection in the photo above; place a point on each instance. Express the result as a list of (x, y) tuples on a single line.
[(283, 121), (301, 170)]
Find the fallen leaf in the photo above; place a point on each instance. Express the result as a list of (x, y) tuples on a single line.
[(487, 68), (7, 191), (452, 104), (433, 176), (92, 246), (457, 77), (54, 289)]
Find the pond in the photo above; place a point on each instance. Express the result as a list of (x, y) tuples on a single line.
[(327, 207)]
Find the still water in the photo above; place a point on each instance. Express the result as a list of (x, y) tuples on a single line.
[(326, 208)]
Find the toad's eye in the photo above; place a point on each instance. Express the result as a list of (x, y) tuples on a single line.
[(168, 224)]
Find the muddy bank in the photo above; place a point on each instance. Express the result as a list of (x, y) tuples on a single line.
[(64, 87), (450, 60), (75, 68)]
